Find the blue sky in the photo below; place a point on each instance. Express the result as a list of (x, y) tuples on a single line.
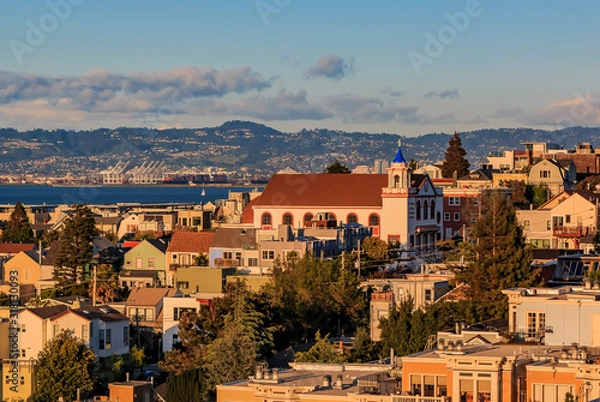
[(293, 64)]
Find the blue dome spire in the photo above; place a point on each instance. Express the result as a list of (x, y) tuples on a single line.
[(399, 158)]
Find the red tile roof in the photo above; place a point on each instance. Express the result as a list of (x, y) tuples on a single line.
[(14, 248), (190, 242), (248, 214), (130, 244), (327, 190)]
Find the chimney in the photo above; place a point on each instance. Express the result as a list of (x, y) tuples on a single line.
[(457, 328), (127, 377), (338, 381), (326, 381), (258, 373), (275, 374), (392, 357)]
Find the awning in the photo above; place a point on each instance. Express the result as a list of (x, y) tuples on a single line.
[(427, 229)]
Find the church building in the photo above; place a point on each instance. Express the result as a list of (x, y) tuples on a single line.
[(401, 208)]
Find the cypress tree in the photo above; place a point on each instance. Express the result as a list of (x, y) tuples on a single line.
[(502, 259), (454, 159), (18, 227)]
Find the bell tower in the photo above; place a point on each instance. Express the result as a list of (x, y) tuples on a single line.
[(398, 174)]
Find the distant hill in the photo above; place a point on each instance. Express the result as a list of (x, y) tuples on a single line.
[(259, 148)]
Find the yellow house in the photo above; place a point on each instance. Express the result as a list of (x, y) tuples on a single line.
[(18, 380), (30, 272)]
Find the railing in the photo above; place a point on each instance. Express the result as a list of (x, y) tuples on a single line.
[(226, 262), (565, 231), (416, 398), (382, 296)]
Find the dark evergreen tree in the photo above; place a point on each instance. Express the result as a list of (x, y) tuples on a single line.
[(188, 386), (396, 329), (76, 250), (322, 351), (454, 160), (64, 365), (18, 227), (337, 167), (502, 259), (363, 346)]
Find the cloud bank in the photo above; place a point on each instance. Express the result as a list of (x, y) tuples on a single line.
[(331, 66)]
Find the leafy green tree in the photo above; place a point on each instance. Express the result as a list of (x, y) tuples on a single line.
[(190, 353), (63, 366), (537, 195), (396, 329), (311, 295), (322, 351), (18, 227), (375, 248), (519, 194), (75, 250), (337, 167), (201, 260), (241, 352), (363, 346), (454, 160), (107, 287), (502, 259), (412, 165), (188, 386)]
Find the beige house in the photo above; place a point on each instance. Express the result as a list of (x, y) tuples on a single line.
[(569, 221), (202, 279), (558, 176), (423, 288)]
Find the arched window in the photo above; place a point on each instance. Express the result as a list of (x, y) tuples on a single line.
[(266, 219), (332, 217), (425, 210), (432, 209), (288, 219), (418, 210), (352, 218), (374, 220), (396, 181), (308, 217)]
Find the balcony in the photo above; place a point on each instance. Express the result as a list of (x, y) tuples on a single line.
[(573, 231), (226, 262), (416, 398)]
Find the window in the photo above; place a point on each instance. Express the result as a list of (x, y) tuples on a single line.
[(545, 174), (266, 219), (183, 285), (238, 256), (139, 262), (22, 327), (128, 263), (548, 225), (288, 219), (126, 335), (374, 220), (175, 339), (150, 263), (268, 254), (308, 217), (418, 210), (253, 262), (56, 329), (432, 209), (447, 216), (455, 201), (183, 221), (526, 224), (428, 295), (228, 255), (352, 218), (84, 332), (568, 218), (178, 312), (196, 221), (396, 181), (332, 216), (108, 338), (425, 210), (101, 339), (457, 216)]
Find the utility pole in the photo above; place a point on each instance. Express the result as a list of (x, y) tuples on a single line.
[(343, 260), (358, 261), (94, 287)]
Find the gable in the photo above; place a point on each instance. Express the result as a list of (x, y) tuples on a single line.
[(426, 187)]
